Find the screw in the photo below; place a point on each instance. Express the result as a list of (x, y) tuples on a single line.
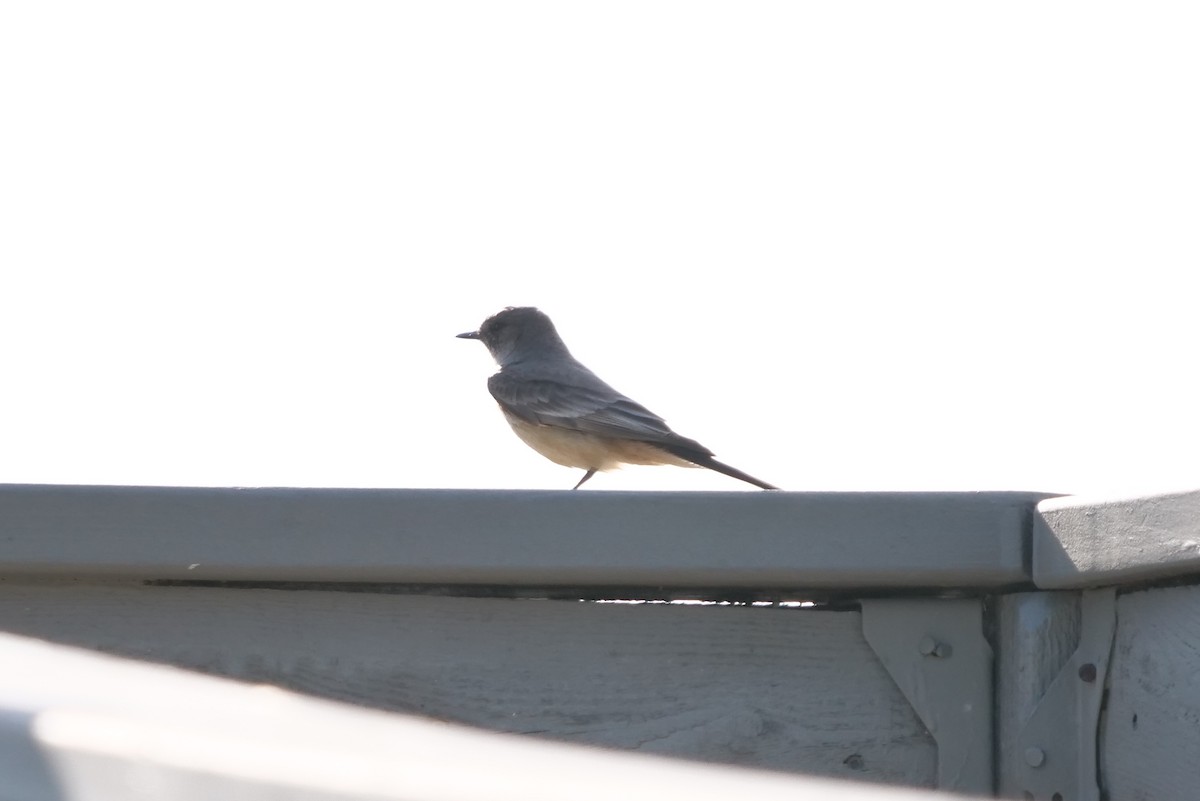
[(1087, 672), (931, 647), (1034, 756)]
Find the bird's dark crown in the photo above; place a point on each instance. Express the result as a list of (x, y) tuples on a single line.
[(520, 332)]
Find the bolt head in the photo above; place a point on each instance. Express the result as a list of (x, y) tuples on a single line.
[(1034, 756)]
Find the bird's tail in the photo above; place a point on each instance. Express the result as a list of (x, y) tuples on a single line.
[(706, 460)]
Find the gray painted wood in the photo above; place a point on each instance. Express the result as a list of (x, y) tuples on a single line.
[(138, 732), (1035, 635), (786, 689), (733, 540), (1059, 741), (1150, 737), (935, 651), (1081, 543)]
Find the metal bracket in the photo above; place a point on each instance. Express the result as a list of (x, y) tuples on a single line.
[(935, 651), (1058, 745)]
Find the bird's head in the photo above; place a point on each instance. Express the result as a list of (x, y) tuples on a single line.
[(518, 333)]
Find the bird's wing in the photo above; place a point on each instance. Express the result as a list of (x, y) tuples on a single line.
[(594, 409)]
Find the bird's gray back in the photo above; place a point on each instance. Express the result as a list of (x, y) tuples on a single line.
[(566, 394)]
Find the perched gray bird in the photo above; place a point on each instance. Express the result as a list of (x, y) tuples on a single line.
[(566, 413)]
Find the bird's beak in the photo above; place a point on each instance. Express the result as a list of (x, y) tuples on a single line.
[(469, 335)]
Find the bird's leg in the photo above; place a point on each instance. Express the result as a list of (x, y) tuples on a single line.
[(586, 476)]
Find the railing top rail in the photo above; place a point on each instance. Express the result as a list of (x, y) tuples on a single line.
[(818, 540)]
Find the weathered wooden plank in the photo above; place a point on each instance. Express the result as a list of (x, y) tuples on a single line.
[(83, 726), (787, 689), (935, 651), (1151, 731), (1035, 634), (1079, 542), (677, 539), (1050, 752)]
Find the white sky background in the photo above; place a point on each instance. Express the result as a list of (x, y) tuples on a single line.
[(894, 245)]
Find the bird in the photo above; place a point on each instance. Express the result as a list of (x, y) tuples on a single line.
[(562, 410)]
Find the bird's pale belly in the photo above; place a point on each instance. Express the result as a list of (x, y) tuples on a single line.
[(589, 451)]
